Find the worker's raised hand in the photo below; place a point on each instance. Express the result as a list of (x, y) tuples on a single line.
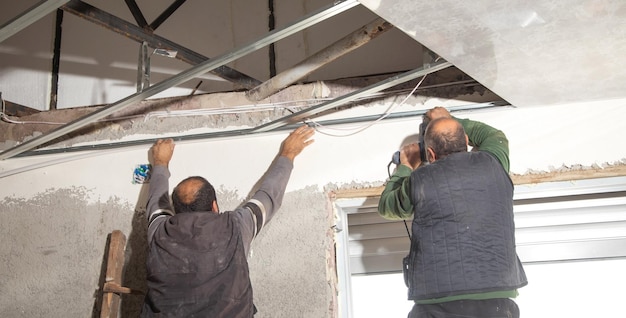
[(438, 112), (296, 141), (410, 156), (162, 152)]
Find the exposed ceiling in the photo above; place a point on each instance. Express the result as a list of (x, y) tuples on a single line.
[(531, 53)]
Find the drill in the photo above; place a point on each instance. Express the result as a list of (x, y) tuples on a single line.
[(396, 155)]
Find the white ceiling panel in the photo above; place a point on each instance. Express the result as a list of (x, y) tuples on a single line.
[(529, 52)]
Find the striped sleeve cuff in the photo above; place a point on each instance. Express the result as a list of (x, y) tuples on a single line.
[(159, 213), (258, 214)]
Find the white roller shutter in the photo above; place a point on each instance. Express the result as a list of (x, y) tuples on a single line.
[(555, 221)]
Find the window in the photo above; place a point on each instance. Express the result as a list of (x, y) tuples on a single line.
[(556, 222)]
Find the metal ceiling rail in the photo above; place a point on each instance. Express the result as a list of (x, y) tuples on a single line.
[(141, 20), (89, 150), (137, 14), (29, 16), (278, 34), (166, 14), (374, 88), (248, 131)]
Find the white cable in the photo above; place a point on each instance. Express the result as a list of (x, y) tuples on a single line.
[(358, 130), (9, 120), (4, 117)]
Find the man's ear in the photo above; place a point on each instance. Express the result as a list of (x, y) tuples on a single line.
[(430, 155), (216, 209)]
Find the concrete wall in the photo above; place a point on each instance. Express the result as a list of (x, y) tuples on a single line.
[(57, 210), (57, 232)]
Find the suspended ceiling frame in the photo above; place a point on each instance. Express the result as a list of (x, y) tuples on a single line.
[(515, 36), (203, 64), (142, 33)]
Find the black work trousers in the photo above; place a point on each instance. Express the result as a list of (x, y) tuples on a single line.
[(488, 308)]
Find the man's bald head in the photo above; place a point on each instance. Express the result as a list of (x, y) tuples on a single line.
[(194, 194), (443, 137)]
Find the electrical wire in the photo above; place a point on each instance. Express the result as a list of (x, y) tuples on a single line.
[(9, 120), (368, 125), (5, 118)]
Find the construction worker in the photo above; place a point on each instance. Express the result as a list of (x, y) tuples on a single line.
[(462, 261), (197, 260)]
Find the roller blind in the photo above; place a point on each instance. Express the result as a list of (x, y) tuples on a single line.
[(555, 221)]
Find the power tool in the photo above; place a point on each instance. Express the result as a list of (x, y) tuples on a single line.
[(396, 155)]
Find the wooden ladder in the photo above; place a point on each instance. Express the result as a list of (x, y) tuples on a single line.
[(112, 289)]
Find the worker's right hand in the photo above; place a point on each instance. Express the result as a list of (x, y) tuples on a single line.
[(438, 112), (162, 152), (297, 141), (410, 156)]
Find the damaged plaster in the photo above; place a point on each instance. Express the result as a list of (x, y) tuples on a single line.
[(54, 245), (290, 259), (53, 249)]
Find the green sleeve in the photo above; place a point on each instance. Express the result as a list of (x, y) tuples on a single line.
[(487, 138), (395, 201)]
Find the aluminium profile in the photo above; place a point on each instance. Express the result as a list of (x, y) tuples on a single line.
[(29, 17), (273, 36)]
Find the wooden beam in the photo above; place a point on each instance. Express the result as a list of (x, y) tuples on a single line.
[(570, 175), (530, 178)]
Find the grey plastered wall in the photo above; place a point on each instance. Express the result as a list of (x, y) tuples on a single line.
[(54, 246), (296, 249), (52, 250)]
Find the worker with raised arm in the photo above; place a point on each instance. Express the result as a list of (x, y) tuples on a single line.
[(462, 260), (197, 259)]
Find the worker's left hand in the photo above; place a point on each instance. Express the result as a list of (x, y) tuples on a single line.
[(410, 156), (162, 152), (297, 140)]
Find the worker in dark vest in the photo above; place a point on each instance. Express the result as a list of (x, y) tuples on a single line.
[(462, 261), (197, 259)]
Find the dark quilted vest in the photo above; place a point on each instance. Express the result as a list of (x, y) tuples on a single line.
[(197, 267), (463, 231)]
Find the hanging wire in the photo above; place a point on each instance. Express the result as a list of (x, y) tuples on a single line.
[(6, 118), (368, 125)]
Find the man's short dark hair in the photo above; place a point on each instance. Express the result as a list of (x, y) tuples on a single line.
[(202, 201), (444, 142)]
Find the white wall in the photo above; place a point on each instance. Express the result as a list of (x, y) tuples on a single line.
[(540, 139)]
